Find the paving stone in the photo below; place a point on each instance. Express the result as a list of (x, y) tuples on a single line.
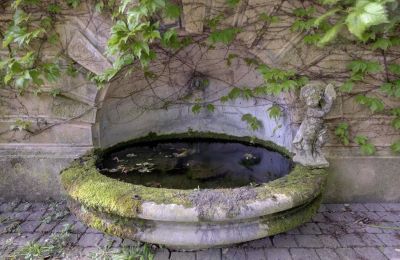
[(183, 256), (303, 254), (29, 226), (335, 207), (162, 254), (389, 216), (128, 242), (62, 225), (389, 227), (347, 253), (391, 252), (374, 206), (340, 216), (371, 240), (319, 217), (9, 206), (233, 253), (357, 207), (26, 238), (111, 241), (391, 206), (6, 240), (322, 208), (36, 215), (91, 239), (284, 241), (24, 206), (210, 254), (92, 230), (329, 241), (369, 215), (264, 242), (277, 254), (255, 254), (308, 241), (294, 231), (332, 228), (327, 254), (371, 230), (310, 229), (369, 253), (390, 239), (350, 240), (46, 227), (78, 227), (89, 252)]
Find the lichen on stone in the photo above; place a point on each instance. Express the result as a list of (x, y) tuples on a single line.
[(208, 202)]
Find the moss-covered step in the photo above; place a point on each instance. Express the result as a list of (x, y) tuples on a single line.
[(197, 218)]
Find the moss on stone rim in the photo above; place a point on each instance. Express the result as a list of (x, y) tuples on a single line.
[(84, 183)]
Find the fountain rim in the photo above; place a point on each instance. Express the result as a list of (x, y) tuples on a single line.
[(85, 184)]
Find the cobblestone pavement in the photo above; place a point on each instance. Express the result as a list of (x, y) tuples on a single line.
[(338, 231)]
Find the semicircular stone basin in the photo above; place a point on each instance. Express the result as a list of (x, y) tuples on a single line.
[(192, 190)]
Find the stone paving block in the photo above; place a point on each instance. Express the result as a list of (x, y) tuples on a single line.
[(24, 206), (391, 252), (112, 241), (210, 254), (254, 254), (322, 208), (9, 206), (264, 242), (335, 207), (371, 240), (340, 216), (36, 215), (391, 206), (374, 206), (357, 207), (162, 254), (294, 231), (78, 227), (90, 239), (369, 253), (389, 227), (332, 228), (60, 226), (329, 241), (277, 254), (371, 230), (46, 227), (327, 254), (310, 229), (347, 253), (233, 253), (319, 217), (308, 241), (390, 239), (389, 216), (26, 238), (183, 256), (92, 230), (350, 240), (303, 254), (128, 242), (29, 226), (284, 241), (7, 239)]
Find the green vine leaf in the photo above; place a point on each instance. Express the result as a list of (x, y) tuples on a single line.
[(342, 131), (374, 104), (252, 121), (274, 112), (366, 147), (395, 147), (225, 36), (347, 86)]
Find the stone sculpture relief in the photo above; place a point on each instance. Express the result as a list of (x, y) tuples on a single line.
[(312, 133)]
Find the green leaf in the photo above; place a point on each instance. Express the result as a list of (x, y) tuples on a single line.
[(347, 86), (396, 123), (365, 14), (325, 16), (395, 147), (330, 35), (210, 107), (73, 3), (274, 112), (394, 68), (342, 131), (304, 12), (365, 146), (252, 121), (172, 10), (225, 36), (382, 43), (196, 108), (54, 8), (374, 104), (232, 3)]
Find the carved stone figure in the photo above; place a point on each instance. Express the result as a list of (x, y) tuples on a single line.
[(312, 133)]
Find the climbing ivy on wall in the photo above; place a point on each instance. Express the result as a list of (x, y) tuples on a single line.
[(373, 25)]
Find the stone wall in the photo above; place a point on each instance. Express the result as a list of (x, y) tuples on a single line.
[(83, 116)]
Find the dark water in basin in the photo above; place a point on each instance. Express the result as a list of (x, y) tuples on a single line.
[(195, 164)]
